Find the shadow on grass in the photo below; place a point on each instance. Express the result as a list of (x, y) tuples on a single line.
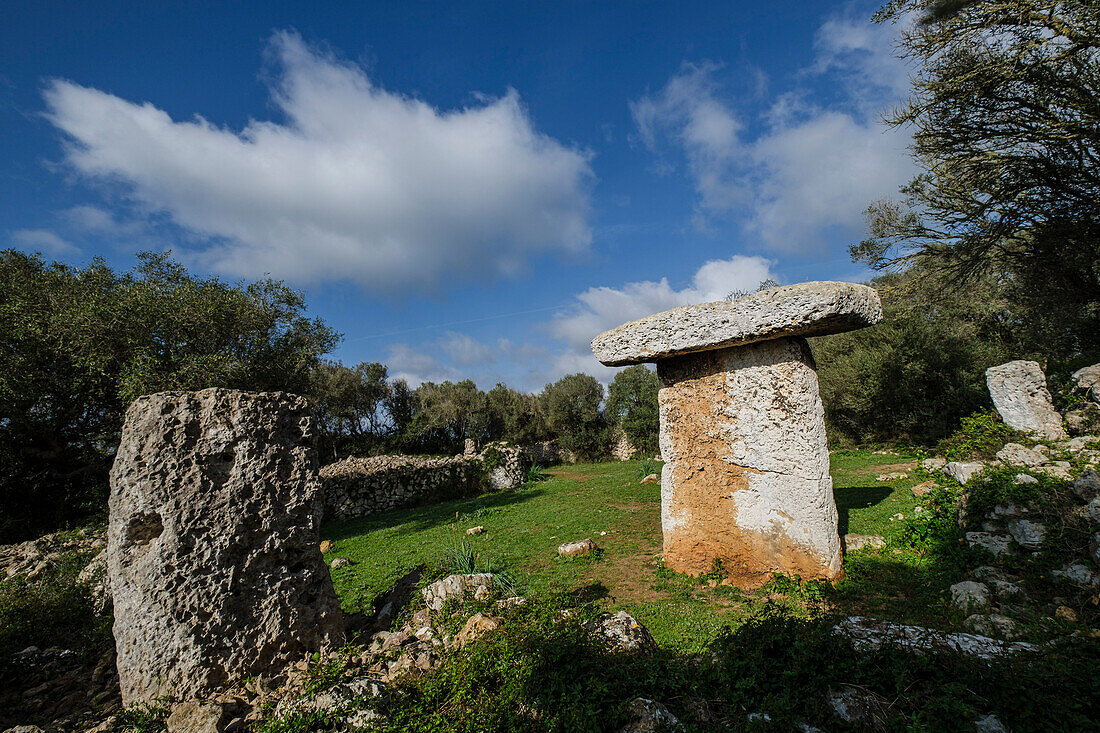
[(857, 497), (419, 519)]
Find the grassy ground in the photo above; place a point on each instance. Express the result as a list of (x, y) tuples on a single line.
[(607, 503)]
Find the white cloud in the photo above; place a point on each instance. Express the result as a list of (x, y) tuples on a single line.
[(813, 168), (463, 349), (601, 308), (357, 183), (44, 241)]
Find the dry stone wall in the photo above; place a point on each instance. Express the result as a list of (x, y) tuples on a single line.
[(356, 487)]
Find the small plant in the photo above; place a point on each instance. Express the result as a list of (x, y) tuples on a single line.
[(142, 717), (980, 436), (536, 474), (322, 675), (647, 466)]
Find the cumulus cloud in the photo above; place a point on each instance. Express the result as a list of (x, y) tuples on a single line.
[(812, 168), (600, 308), (356, 182), (44, 241)]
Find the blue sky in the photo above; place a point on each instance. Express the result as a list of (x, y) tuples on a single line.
[(462, 189)]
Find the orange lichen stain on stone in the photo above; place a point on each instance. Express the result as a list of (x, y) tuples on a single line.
[(702, 480)]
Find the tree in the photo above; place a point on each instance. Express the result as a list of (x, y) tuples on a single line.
[(401, 406), (349, 406), (632, 405), (514, 416), (447, 414), (78, 345), (912, 377), (572, 407), (1005, 115)]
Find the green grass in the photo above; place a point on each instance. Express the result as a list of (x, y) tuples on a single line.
[(523, 529)]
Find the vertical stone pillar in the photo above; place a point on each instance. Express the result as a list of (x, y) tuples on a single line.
[(212, 547), (746, 477)]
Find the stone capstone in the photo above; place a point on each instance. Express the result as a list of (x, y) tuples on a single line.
[(212, 548), (806, 309), (1019, 392)]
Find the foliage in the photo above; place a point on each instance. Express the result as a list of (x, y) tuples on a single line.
[(536, 474), (572, 407), (980, 435), (1005, 116), (78, 345), (910, 378), (143, 718), (348, 403), (53, 610), (632, 405)]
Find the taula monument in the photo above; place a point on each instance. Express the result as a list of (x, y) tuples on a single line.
[(212, 545), (746, 476)]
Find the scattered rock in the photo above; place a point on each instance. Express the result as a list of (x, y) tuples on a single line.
[(858, 706), (933, 464), (648, 716), (1019, 392), (475, 530), (621, 632), (199, 716), (1085, 419), (998, 544), (651, 479), (1005, 589), (924, 488), (1078, 574), (1015, 454), (1088, 381), (989, 724), (859, 541), (94, 575), (993, 624), (1087, 485), (1065, 613), (476, 626), (203, 596), (892, 476), (872, 634), (970, 596), (326, 546), (574, 549), (1028, 535), (478, 585), (1057, 470), (1024, 478), (340, 562), (963, 471)]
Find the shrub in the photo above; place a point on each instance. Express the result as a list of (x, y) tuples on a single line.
[(980, 436)]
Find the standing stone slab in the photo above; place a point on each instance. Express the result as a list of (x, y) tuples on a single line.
[(746, 476), (212, 543), (1019, 392)]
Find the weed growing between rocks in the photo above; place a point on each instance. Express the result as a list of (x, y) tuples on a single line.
[(980, 436)]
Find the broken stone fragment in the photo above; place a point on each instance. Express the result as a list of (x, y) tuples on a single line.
[(1088, 381), (213, 554), (970, 596), (649, 716), (651, 479), (477, 625), (457, 587), (1019, 392), (746, 475), (621, 632), (963, 471), (574, 549), (854, 542), (1015, 454)]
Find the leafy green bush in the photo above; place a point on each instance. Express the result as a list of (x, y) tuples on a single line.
[(980, 436)]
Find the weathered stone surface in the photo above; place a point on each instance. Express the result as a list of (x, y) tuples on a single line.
[(1087, 485), (212, 546), (1088, 381), (859, 541), (580, 547), (477, 625), (649, 716), (1028, 535), (872, 634), (970, 596), (806, 309), (478, 585), (1015, 454), (998, 544), (621, 632), (963, 471), (1019, 392), (746, 474)]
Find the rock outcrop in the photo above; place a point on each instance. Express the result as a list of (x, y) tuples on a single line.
[(746, 479), (1019, 392), (212, 545)]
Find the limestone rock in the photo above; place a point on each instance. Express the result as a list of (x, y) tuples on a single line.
[(621, 633), (478, 585), (1019, 392), (212, 547), (806, 309), (94, 575), (477, 625), (651, 479), (994, 624), (649, 716), (1085, 419), (746, 480), (859, 541), (194, 716), (989, 724), (1078, 574), (1028, 534), (1088, 381), (963, 471), (923, 488), (1087, 485), (580, 547), (1023, 478), (1058, 470), (1015, 454), (873, 634), (933, 464), (970, 596), (998, 544)]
